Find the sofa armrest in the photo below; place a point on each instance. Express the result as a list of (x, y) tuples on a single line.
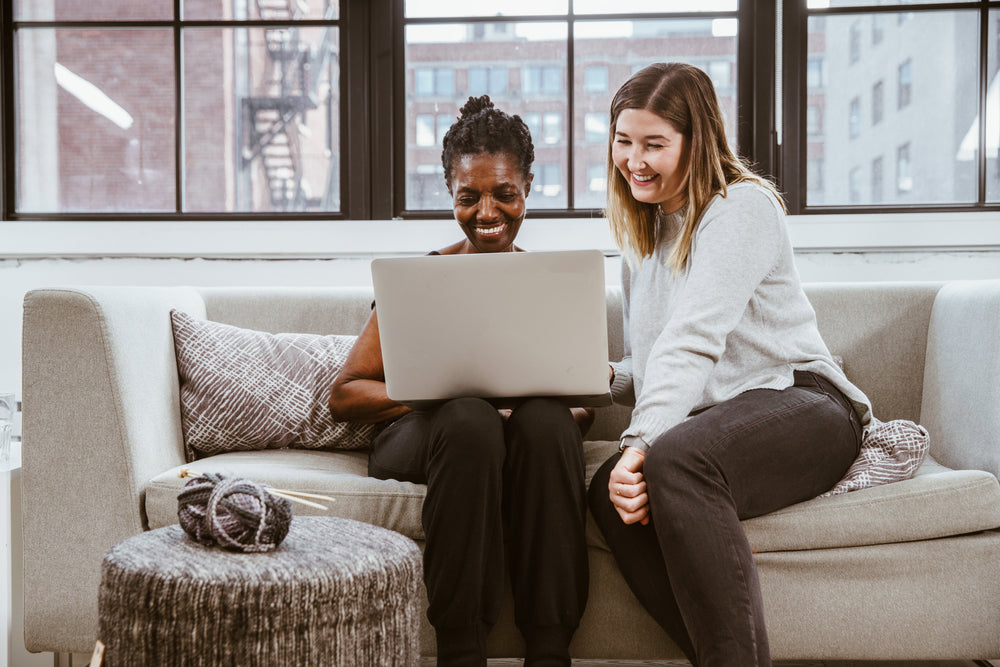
[(101, 417), (961, 399)]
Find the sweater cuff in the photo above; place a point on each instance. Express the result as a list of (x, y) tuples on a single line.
[(621, 385), (633, 441)]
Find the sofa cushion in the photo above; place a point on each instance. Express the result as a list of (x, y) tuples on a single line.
[(937, 502), (244, 390)]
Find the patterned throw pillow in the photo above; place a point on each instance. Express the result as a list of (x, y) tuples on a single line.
[(244, 390)]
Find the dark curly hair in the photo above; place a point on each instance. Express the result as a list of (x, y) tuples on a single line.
[(482, 128)]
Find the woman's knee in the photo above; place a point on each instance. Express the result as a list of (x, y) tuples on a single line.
[(469, 428), (672, 459), (598, 495), (543, 424)]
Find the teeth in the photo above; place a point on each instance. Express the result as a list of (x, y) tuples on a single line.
[(643, 179), (487, 231)]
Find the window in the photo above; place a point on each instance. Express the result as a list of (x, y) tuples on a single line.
[(487, 81), (855, 43), (313, 110), (904, 89), (814, 120), (924, 103), (595, 126), (243, 118), (878, 32), (854, 118), (854, 185), (595, 79), (904, 170), (878, 102), (877, 180), (542, 80)]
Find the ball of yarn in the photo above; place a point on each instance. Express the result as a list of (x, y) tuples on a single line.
[(233, 513)]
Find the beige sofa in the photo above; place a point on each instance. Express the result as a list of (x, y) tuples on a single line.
[(907, 570)]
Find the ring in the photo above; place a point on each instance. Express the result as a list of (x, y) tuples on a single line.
[(618, 491)]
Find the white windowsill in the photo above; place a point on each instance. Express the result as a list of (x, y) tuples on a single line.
[(332, 239)]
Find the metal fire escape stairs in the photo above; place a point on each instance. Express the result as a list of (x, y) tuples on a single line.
[(274, 120)]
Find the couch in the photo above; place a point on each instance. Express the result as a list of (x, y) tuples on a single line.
[(909, 570)]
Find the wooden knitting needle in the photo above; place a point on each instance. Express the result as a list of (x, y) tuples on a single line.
[(293, 496)]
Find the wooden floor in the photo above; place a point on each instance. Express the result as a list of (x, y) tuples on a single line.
[(683, 663)]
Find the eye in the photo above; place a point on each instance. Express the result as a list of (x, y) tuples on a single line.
[(623, 142), (655, 146), (506, 196), (466, 201)]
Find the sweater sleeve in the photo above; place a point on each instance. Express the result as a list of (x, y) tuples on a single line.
[(737, 244), (622, 387)]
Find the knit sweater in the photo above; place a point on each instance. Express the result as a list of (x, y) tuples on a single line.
[(735, 319)]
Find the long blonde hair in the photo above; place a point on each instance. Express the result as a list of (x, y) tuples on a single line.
[(684, 96)]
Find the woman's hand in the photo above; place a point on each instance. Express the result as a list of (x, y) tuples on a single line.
[(628, 488)]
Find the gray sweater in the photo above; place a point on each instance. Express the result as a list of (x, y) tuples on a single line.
[(735, 319)]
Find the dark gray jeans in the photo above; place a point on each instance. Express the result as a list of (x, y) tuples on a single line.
[(691, 566)]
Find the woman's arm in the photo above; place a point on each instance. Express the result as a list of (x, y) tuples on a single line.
[(584, 418), (358, 393)]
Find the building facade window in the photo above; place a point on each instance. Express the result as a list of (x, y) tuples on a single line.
[(595, 79), (904, 87), (878, 102), (854, 118), (877, 180), (904, 170)]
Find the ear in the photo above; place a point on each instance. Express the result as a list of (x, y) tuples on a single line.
[(527, 186)]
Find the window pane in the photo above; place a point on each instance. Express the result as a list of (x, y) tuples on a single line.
[(241, 10), (261, 120), (824, 4), (658, 6), (992, 117), (95, 134), (530, 82), (900, 105), (462, 8), (93, 10), (622, 48)]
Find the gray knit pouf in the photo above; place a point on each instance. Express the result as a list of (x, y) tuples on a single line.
[(334, 592)]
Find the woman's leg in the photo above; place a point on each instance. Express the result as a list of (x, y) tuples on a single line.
[(462, 448), (637, 552), (754, 454), (545, 501)]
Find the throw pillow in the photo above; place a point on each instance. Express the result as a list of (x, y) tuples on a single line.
[(890, 452), (244, 390)]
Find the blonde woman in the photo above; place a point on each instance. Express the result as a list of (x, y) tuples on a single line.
[(740, 409)]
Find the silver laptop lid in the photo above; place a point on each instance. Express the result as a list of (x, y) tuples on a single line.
[(494, 325)]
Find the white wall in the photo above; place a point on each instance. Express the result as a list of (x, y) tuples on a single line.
[(33, 255)]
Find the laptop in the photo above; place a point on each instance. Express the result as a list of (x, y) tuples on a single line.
[(498, 326)]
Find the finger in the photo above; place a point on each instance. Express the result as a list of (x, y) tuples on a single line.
[(631, 505), (639, 516), (623, 490)]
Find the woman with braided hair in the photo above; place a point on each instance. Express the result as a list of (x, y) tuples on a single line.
[(503, 486)]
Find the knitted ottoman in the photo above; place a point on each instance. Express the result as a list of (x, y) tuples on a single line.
[(334, 592)]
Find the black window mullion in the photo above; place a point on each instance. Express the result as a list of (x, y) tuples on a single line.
[(8, 153), (984, 64), (756, 136), (570, 110), (178, 112), (792, 177), (356, 126)]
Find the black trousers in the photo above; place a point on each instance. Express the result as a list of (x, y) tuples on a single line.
[(691, 566), (496, 491)]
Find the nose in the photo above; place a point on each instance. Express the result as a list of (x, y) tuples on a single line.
[(635, 160), (487, 208)]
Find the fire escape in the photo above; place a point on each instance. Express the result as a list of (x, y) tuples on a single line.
[(275, 119)]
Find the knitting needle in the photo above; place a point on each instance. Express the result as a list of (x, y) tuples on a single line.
[(294, 496)]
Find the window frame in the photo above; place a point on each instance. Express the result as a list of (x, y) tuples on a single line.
[(371, 129), (791, 174)]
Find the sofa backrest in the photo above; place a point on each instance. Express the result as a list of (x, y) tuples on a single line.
[(878, 329)]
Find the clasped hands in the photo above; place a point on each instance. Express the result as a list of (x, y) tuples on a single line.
[(627, 487)]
